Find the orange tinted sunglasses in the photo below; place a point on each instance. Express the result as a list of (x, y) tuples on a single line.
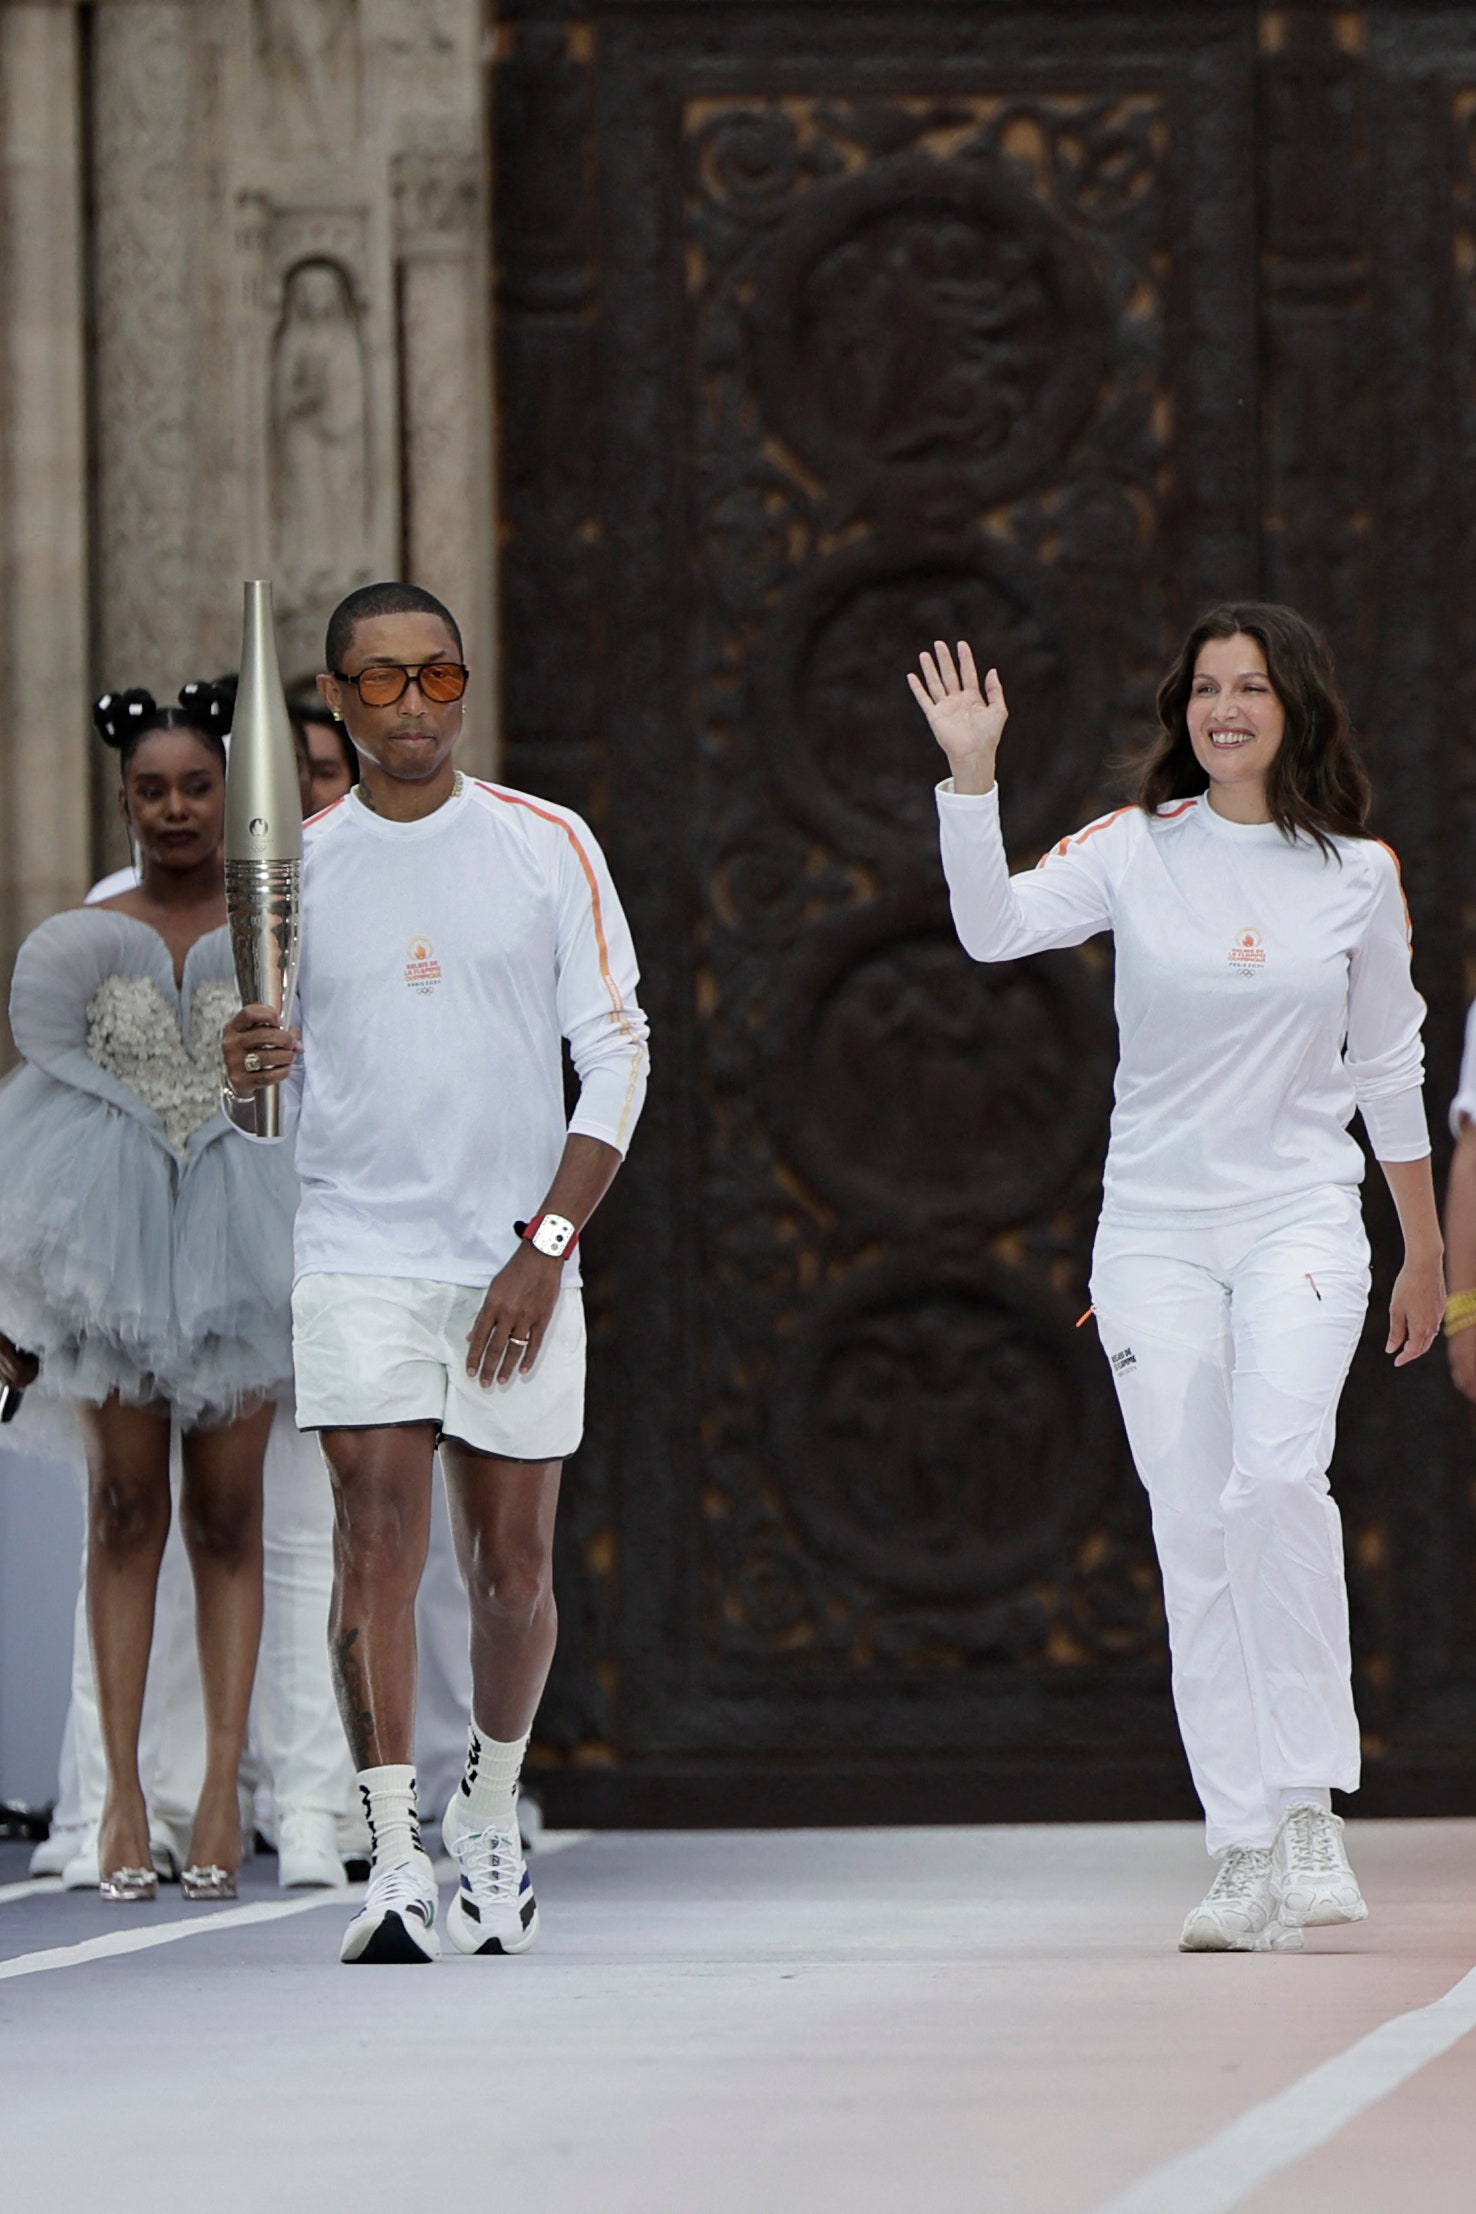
[(384, 682)]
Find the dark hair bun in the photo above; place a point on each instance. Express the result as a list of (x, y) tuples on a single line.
[(119, 716), (210, 704)]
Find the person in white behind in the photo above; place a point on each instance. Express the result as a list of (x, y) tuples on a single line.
[(1263, 993), (1460, 1224)]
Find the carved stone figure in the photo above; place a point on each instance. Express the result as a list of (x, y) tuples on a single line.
[(309, 56), (320, 460)]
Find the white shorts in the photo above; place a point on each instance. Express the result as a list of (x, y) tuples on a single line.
[(373, 1350)]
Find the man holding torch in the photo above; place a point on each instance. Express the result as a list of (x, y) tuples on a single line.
[(452, 933)]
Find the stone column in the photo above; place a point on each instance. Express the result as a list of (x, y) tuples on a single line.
[(44, 722), (145, 361), (447, 409)]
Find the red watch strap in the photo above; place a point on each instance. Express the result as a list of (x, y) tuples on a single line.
[(525, 1230)]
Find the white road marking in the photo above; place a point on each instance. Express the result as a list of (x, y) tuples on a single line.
[(33, 1887), (168, 1933), (1223, 2172)]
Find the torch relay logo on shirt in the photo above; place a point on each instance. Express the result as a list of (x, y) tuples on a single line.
[(422, 970), (1247, 952)]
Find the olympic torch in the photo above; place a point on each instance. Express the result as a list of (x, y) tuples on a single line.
[(263, 836)]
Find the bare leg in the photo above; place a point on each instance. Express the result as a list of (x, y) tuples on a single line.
[(381, 1497), (502, 1519), (220, 1511), (127, 1522)]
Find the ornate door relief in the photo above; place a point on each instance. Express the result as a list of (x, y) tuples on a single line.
[(890, 314), (828, 329)]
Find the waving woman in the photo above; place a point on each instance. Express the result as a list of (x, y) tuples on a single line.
[(1263, 993), (146, 1267)]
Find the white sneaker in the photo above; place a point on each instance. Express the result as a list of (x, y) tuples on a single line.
[(168, 1850), (307, 1852), (354, 1841), (1238, 1912), (81, 1872), (1314, 1884), (494, 1910), (398, 1918), (54, 1851)]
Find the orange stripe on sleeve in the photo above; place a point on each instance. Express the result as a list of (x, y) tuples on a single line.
[(324, 812), (1079, 837), (617, 1003), (545, 814)]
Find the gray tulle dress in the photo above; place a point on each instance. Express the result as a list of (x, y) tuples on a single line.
[(145, 1249)]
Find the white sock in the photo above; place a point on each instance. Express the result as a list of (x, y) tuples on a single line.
[(389, 1809), (489, 1787), (1306, 1795)]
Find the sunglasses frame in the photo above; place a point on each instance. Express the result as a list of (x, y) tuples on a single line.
[(411, 671)]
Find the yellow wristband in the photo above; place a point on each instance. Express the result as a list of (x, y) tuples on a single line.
[(1460, 1307), (1454, 1329)]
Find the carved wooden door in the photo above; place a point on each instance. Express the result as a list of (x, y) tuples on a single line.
[(827, 330)]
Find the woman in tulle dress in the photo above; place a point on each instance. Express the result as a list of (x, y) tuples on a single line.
[(145, 1265)]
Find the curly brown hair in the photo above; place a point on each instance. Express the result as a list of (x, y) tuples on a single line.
[(1317, 784)]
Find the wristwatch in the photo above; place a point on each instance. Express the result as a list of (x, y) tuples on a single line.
[(552, 1235)]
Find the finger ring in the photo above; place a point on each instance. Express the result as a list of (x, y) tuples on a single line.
[(252, 1064), (521, 1341)]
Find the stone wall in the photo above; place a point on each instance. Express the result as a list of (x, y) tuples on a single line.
[(45, 669), (244, 267)]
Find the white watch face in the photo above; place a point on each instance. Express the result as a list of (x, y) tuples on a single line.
[(553, 1236)]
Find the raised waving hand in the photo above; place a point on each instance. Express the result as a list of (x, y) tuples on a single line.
[(966, 719)]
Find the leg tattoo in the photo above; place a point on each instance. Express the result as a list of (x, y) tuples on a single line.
[(353, 1699)]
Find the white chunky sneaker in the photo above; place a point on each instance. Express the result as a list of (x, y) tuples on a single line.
[(1313, 1883), (81, 1872), (398, 1918), (494, 1910), (55, 1850), (1238, 1912), (307, 1852)]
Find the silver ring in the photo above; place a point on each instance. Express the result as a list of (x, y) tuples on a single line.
[(521, 1341), (252, 1064)]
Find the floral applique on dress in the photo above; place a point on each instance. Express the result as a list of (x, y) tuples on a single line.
[(134, 1033)]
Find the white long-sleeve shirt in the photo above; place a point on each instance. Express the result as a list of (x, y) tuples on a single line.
[(443, 960), (1463, 1106), (1263, 992)]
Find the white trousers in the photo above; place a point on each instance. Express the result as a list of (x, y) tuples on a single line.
[(295, 1744), (1229, 1350), (443, 1701)]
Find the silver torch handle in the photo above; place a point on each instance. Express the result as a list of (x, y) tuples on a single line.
[(263, 837), (265, 905)]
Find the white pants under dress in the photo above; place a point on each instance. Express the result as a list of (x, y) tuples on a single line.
[(1229, 1349)]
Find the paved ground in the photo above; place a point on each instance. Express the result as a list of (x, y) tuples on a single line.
[(990, 2020)]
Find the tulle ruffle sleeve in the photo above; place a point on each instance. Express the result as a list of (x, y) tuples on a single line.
[(59, 972), (127, 1263)]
